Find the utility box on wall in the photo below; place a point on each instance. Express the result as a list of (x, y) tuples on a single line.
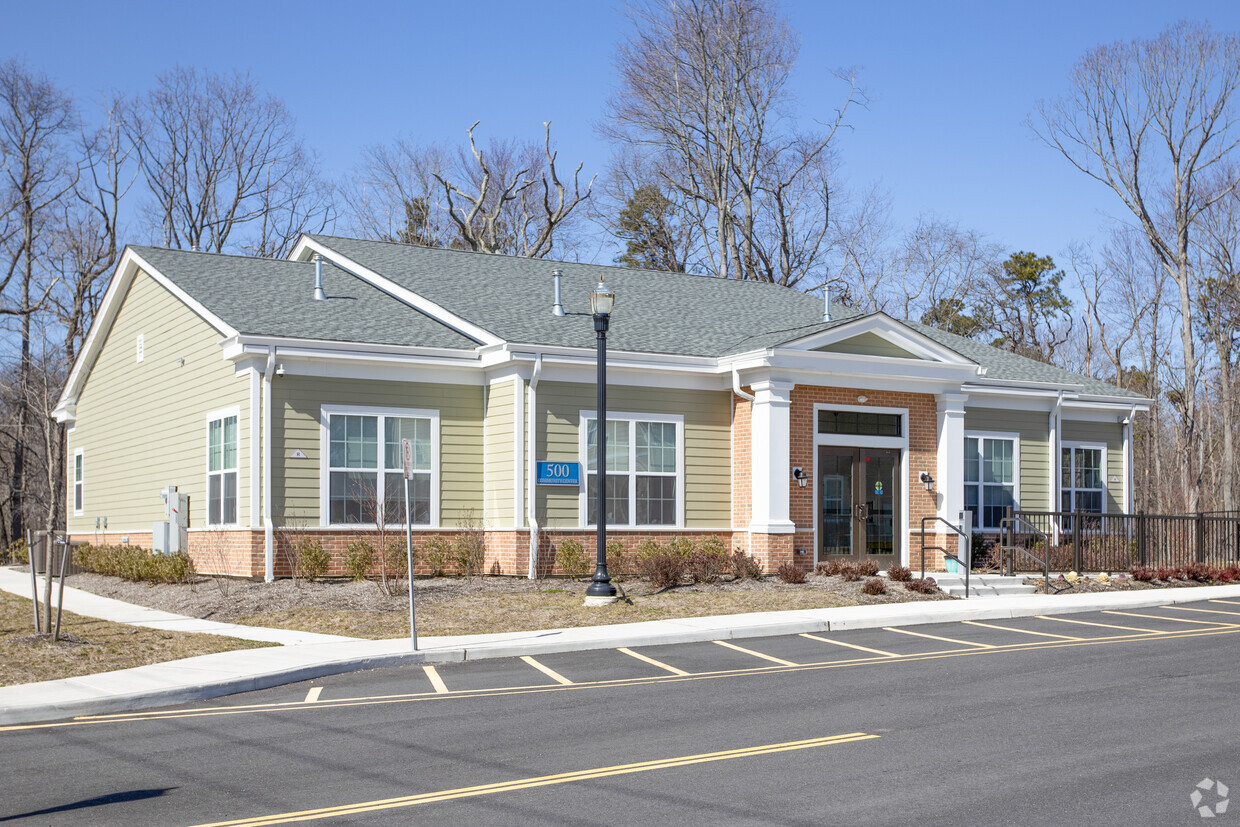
[(172, 535)]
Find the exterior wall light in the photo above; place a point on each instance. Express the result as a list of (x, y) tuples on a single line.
[(800, 476), (926, 480)]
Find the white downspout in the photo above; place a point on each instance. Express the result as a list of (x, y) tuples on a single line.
[(1056, 439), (532, 475), (736, 387), (1129, 500), (268, 528)]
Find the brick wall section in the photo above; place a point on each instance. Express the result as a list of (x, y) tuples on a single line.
[(742, 487)]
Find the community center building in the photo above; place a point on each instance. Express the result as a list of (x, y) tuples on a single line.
[(275, 395)]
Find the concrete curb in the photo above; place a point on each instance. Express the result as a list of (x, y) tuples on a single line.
[(226, 673)]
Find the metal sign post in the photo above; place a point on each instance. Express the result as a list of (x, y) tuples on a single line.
[(406, 454)]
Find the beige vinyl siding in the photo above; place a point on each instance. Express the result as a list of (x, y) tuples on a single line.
[(1110, 434), (707, 449), (869, 344), (1034, 430), (296, 415), (500, 418), (142, 425)]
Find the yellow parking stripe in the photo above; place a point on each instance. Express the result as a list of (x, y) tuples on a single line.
[(1103, 625), (547, 670), (771, 658), (1204, 611), (1022, 631), (1228, 602), (542, 781), (652, 661), (433, 675), (851, 645), (936, 637), (313, 695), (1170, 619)]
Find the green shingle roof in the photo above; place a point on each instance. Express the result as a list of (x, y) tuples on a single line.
[(276, 298), (656, 312)]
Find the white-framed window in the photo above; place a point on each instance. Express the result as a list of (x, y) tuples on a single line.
[(79, 482), (222, 467), (991, 474), (645, 469), (1082, 477), (362, 477)]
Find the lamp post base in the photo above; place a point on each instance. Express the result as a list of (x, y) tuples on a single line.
[(601, 600)]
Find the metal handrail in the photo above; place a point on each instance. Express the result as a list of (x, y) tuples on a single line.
[(967, 562), (1007, 529)]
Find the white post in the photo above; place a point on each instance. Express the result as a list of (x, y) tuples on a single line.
[(770, 455)]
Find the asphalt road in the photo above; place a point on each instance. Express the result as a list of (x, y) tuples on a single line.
[(1105, 718)]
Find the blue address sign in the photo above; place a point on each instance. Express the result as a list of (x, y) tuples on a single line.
[(559, 473)]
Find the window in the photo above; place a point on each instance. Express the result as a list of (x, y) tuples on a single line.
[(989, 478), (645, 469), (859, 423), (222, 469), (78, 481), (1081, 480), (364, 480)]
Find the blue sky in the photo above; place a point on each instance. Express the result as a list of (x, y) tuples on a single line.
[(951, 82)]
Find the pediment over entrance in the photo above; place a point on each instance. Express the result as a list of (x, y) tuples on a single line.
[(878, 334)]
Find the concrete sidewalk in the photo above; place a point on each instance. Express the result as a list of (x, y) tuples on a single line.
[(209, 676), (105, 608)]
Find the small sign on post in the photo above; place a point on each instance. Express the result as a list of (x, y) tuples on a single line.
[(406, 457)]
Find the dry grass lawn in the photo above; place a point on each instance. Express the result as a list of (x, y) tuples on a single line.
[(92, 645), (549, 608)]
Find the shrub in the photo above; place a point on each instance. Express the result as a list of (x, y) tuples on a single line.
[(312, 560), (359, 557), (745, 567), (133, 563), (437, 552), (682, 546), (713, 545), (980, 550), (920, 585), (706, 566), (874, 586), (663, 568), (868, 568), (570, 558), (831, 568), (18, 551), (1143, 573), (790, 573), (1201, 572), (647, 548), (396, 558), (615, 557), (470, 546), (900, 574), (852, 572), (1166, 573)]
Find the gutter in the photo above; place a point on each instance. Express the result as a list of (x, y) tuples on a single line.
[(736, 386), (531, 470)]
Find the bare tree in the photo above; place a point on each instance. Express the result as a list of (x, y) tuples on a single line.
[(703, 103), (224, 165), (36, 119), (1150, 119), (507, 198)]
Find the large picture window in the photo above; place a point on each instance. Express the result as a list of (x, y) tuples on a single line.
[(989, 478), (645, 469), (365, 481), (1082, 480)]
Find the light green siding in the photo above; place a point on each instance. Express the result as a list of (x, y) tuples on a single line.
[(1110, 434), (869, 344), (708, 446), (297, 407), (500, 419), (142, 425), (1034, 430)]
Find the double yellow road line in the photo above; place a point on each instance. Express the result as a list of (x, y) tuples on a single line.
[(542, 781)]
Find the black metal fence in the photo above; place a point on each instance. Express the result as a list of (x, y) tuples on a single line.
[(1086, 542)]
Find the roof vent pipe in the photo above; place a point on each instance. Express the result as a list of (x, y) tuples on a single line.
[(319, 295), (826, 303), (557, 309)]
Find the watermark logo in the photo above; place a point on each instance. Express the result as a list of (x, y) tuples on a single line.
[(1209, 798)]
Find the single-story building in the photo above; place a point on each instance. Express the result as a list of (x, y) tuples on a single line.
[(752, 412)]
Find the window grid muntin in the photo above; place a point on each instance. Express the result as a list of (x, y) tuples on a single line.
[(357, 465), (625, 427)]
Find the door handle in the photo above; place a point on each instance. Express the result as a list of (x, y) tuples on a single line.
[(860, 511)]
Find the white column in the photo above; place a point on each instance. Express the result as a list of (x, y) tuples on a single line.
[(950, 482), (770, 455)]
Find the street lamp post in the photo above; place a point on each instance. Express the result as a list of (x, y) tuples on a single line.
[(601, 591)]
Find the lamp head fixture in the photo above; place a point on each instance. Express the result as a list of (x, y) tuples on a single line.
[(602, 299), (800, 476), (926, 480)]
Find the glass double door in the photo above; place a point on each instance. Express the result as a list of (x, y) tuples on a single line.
[(859, 503)]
